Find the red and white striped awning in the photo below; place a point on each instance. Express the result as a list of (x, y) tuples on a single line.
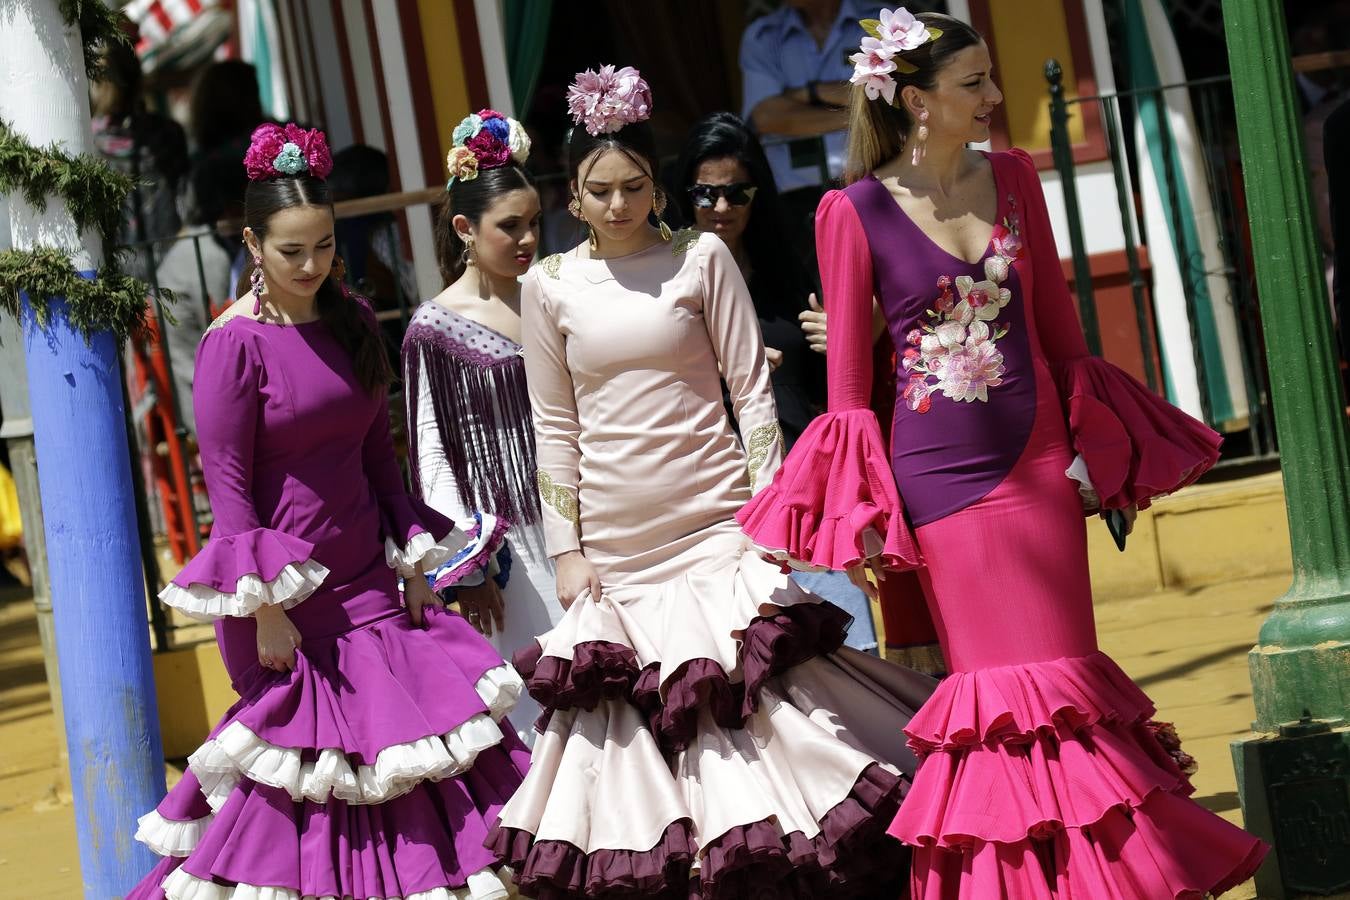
[(177, 32)]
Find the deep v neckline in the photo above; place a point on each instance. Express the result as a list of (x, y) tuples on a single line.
[(999, 213)]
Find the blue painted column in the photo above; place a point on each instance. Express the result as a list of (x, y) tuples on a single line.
[(84, 476)]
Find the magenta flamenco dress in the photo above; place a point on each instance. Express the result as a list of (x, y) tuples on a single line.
[(1040, 776), (376, 767)]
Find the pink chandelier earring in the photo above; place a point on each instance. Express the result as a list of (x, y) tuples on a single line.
[(255, 280), (920, 140)]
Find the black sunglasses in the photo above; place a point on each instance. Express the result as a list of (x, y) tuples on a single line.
[(705, 196)]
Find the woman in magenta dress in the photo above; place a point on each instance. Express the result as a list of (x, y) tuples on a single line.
[(364, 758), (1040, 776)]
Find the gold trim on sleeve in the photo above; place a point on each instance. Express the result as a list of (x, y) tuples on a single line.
[(551, 264), (684, 239), (558, 497), (757, 448)]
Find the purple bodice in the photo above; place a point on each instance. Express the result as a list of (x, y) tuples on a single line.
[(966, 395)]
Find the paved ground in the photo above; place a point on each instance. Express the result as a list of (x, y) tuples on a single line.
[(1188, 649)]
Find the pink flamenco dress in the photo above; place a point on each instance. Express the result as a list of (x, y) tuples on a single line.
[(375, 768), (1040, 773)]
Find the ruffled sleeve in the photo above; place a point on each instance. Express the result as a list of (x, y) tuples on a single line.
[(243, 566), (834, 502), (1134, 445)]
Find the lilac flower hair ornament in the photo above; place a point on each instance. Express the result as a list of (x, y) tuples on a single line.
[(279, 151), (879, 56), (485, 140), (603, 102)]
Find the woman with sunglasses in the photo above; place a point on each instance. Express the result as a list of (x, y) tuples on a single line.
[(728, 189)]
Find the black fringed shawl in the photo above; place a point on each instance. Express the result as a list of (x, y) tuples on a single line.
[(477, 380)]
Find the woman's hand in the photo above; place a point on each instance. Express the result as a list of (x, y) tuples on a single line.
[(482, 606), (575, 576), (774, 357), (813, 324), (277, 639), (858, 575), (418, 595)]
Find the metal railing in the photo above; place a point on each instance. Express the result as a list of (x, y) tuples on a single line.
[(1212, 103)]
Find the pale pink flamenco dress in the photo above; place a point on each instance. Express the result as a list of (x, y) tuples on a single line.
[(1040, 776)]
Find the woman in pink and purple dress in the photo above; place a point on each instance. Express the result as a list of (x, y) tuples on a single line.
[(1039, 776), (364, 758)]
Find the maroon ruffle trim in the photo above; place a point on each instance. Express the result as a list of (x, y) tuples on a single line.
[(773, 644), (604, 669), (851, 857), (556, 870)]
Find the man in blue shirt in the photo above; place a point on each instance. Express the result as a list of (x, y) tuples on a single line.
[(794, 62)]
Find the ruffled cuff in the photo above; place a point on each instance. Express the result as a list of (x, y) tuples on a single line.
[(833, 502), (1136, 446), (415, 533), (462, 558), (237, 574)]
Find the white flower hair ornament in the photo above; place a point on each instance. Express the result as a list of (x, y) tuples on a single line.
[(485, 140), (879, 55)]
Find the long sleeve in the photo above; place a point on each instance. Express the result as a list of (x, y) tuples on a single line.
[(556, 427), (1134, 445), (733, 328), (834, 501), (244, 566), (436, 477)]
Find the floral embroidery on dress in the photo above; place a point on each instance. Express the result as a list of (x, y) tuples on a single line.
[(558, 497), (956, 352), (684, 239)]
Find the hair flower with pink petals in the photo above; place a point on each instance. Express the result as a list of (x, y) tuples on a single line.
[(276, 151), (894, 33), (603, 102), (485, 140)]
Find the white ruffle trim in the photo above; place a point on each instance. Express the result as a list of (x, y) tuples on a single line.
[(170, 837), (1087, 491), (237, 751), (873, 545), (425, 549), (204, 603), (482, 885)]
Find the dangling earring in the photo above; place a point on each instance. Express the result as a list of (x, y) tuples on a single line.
[(921, 140), (574, 207), (467, 257), (255, 280), (659, 207), (594, 240)]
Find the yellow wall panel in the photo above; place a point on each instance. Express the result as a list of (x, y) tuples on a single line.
[(1025, 34), (445, 67)]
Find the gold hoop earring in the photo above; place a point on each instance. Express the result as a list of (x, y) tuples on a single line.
[(594, 239)]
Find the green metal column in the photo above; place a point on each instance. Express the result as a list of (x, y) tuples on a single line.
[(1302, 660), (1294, 777)]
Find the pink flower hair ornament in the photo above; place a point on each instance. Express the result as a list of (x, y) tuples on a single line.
[(485, 140), (603, 102), (281, 151), (879, 54)]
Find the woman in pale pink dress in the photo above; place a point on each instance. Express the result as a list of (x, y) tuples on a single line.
[(1041, 775), (707, 735)]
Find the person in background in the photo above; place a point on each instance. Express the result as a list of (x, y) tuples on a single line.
[(196, 267), (225, 107), (148, 147), (795, 71), (725, 187)]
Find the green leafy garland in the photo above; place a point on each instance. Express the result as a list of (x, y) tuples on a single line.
[(93, 194)]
